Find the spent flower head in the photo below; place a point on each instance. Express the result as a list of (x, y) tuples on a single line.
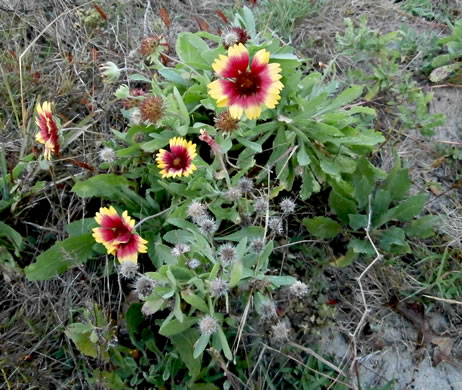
[(152, 109), (144, 286), (227, 253), (180, 249), (197, 210), (218, 287), (268, 310), (287, 206), (107, 155), (275, 225), (234, 36), (257, 246), (260, 206), (280, 332), (225, 122), (194, 263), (245, 185), (207, 226), (298, 289), (128, 269), (208, 325), (233, 194)]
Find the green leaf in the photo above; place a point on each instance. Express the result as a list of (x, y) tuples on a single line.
[(12, 235), (80, 334), (251, 232), (189, 48), (184, 345), (172, 327), (380, 203), (201, 344), (152, 305), (106, 186), (181, 106), (279, 281), (394, 241), (194, 300), (364, 178), (310, 185), (358, 221), (397, 184), (134, 318), (236, 273), (224, 344), (423, 227), (81, 226), (61, 256), (361, 246), (341, 206), (322, 227), (173, 76), (405, 211)]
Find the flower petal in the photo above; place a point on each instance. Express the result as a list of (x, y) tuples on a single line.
[(129, 251), (230, 66)]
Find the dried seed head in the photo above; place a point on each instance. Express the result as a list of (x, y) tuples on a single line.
[(268, 310), (233, 194), (245, 184), (196, 210), (275, 225), (207, 226), (180, 249), (299, 170), (234, 36), (144, 286), (130, 102), (128, 269), (135, 117), (208, 325), (107, 155), (218, 287), (227, 253), (298, 289), (194, 263), (260, 206), (257, 246), (281, 332), (225, 122), (152, 109), (149, 45), (287, 206)]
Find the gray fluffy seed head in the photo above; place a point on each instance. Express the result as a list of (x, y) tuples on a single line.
[(298, 289), (245, 184), (233, 194), (107, 155), (280, 332), (144, 286), (268, 310), (208, 325), (257, 246), (260, 206), (180, 249), (275, 225), (207, 226), (287, 206), (227, 253), (128, 269), (196, 210), (194, 263), (218, 287)]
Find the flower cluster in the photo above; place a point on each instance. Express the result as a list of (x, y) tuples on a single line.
[(117, 236)]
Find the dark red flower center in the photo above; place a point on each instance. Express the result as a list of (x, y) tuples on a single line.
[(122, 233), (178, 158), (247, 83)]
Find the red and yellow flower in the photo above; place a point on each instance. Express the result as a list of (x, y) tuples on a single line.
[(48, 134), (117, 236), (243, 89), (177, 161)]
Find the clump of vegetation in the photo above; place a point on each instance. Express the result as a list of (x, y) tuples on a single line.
[(235, 177)]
